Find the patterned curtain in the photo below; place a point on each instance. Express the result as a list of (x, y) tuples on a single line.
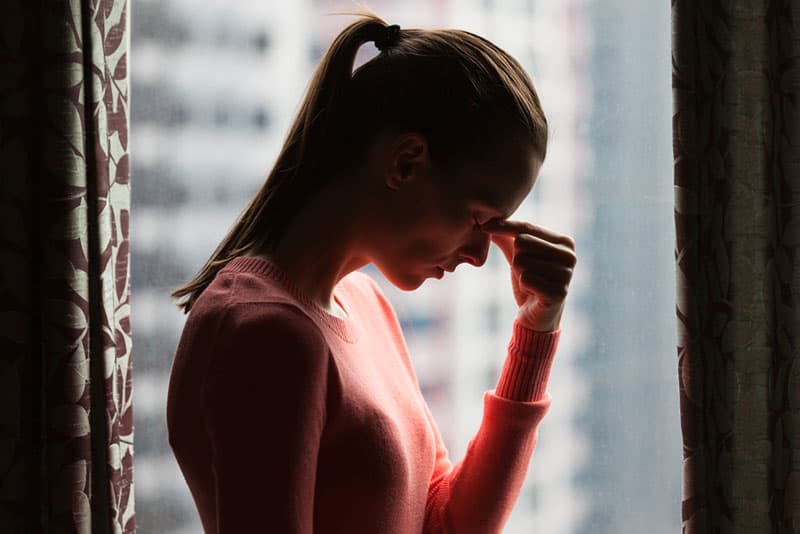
[(736, 82), (66, 424)]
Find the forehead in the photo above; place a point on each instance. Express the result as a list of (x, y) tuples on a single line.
[(504, 183)]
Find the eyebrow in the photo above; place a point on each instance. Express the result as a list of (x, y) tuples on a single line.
[(495, 209), (496, 218), (487, 200)]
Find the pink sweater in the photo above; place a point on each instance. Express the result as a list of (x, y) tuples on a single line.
[(285, 418)]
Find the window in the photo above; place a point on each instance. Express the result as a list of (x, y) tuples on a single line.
[(208, 118)]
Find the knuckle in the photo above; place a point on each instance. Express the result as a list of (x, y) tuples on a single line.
[(572, 259), (558, 291), (522, 239)]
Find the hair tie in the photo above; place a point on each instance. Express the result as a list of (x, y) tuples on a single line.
[(390, 37)]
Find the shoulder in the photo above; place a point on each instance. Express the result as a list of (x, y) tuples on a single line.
[(268, 358), (266, 350), (241, 306), (258, 325)]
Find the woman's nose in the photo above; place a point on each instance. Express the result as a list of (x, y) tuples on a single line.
[(477, 250)]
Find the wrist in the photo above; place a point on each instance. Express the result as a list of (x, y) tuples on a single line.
[(541, 322), (541, 326)]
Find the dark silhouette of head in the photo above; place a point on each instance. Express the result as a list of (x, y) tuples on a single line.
[(468, 105)]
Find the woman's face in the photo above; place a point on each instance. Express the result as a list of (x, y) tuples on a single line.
[(434, 220)]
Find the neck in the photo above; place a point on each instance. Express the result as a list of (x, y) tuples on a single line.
[(319, 246)]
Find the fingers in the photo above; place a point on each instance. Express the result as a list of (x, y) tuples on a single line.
[(544, 286), (531, 246), (558, 273), (528, 245), (541, 259), (509, 227)]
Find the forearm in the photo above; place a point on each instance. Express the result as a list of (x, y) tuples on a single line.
[(478, 493)]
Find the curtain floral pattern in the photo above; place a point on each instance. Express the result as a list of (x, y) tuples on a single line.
[(66, 421), (736, 82)]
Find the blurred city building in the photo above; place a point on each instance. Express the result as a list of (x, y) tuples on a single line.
[(214, 90)]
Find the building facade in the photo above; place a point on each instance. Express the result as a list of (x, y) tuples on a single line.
[(213, 92)]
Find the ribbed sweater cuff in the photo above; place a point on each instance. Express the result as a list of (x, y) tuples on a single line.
[(526, 370)]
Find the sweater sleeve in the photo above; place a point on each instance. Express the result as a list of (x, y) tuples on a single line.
[(477, 494), (265, 408)]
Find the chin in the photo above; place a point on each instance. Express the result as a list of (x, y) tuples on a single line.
[(406, 281)]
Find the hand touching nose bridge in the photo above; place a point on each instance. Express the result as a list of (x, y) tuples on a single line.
[(477, 248), (541, 262)]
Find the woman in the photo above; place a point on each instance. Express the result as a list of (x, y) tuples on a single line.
[(293, 405)]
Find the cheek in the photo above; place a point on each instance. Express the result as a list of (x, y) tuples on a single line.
[(436, 229), (424, 246), (438, 238)]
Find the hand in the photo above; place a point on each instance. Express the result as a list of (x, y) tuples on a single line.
[(541, 269)]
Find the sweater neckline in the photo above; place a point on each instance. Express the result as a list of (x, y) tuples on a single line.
[(346, 328)]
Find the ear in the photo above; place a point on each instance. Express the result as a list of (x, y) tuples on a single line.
[(408, 159)]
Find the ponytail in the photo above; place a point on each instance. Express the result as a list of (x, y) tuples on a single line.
[(463, 93), (294, 176)]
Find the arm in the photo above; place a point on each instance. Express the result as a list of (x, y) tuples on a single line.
[(265, 411), (478, 493)]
